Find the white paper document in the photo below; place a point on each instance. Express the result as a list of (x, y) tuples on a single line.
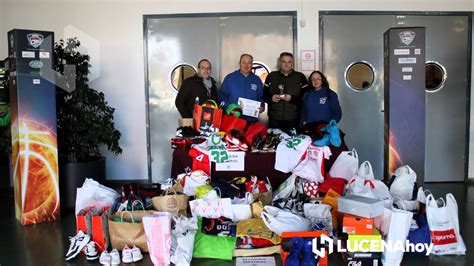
[(255, 261), (249, 107), (236, 162)]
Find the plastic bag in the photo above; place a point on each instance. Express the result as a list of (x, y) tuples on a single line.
[(400, 223), (365, 171), (93, 194), (157, 229), (182, 240), (345, 165), (402, 186), (444, 226), (319, 215), (279, 221)]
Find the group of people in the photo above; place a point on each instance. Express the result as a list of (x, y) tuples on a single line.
[(292, 99)]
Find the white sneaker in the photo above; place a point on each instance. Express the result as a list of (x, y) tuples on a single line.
[(136, 254), (115, 257), (78, 242), (105, 258), (90, 251), (127, 255)]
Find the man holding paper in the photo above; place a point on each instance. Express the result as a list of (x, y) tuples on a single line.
[(244, 88)]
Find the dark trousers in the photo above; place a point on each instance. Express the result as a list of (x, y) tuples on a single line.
[(284, 125)]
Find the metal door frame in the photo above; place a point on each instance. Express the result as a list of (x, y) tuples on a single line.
[(418, 13), (197, 15)]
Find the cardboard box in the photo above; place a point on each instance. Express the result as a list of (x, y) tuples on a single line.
[(357, 225), (285, 244), (363, 258), (360, 206), (367, 242), (186, 122)]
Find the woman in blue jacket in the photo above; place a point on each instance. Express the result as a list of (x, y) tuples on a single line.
[(320, 103)]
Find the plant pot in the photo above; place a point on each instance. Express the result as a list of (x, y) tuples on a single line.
[(73, 175)]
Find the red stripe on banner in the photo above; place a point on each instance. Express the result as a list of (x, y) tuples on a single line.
[(443, 237)]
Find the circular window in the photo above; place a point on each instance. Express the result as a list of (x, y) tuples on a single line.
[(179, 73), (435, 76), (360, 76), (261, 70)]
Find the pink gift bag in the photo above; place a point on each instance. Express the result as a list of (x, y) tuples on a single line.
[(158, 236)]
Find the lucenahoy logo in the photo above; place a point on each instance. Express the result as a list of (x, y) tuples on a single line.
[(36, 64)]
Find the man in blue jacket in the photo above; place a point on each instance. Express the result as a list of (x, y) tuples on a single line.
[(242, 83)]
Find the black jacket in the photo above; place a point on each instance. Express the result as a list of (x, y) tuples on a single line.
[(295, 84), (191, 88)]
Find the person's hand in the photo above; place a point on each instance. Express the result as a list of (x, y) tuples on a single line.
[(276, 98), (262, 108), (287, 97)]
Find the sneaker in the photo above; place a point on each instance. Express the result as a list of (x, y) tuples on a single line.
[(127, 255), (136, 254), (334, 134), (105, 258), (322, 142), (293, 259), (115, 257), (78, 242), (90, 251)]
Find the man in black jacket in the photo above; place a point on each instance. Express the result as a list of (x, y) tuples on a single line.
[(201, 85), (283, 91)]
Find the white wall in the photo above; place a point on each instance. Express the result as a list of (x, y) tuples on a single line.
[(117, 29)]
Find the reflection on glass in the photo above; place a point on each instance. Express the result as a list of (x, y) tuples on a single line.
[(360, 76), (180, 73), (435, 76)]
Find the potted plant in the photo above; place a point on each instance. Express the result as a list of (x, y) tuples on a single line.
[(85, 122)]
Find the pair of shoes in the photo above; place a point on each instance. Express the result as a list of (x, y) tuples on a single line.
[(110, 258), (257, 145), (301, 253), (208, 130), (234, 141), (130, 255), (78, 242), (271, 142), (322, 142)]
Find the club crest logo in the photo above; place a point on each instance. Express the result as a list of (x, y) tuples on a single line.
[(407, 37), (35, 39), (36, 64)]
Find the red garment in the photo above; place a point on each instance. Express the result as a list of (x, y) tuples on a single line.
[(200, 161)]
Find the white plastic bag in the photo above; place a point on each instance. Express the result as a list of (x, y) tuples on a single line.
[(400, 223), (345, 165), (182, 240), (93, 194), (279, 221), (369, 188), (193, 180), (382, 222), (444, 226), (403, 183), (241, 208), (319, 214), (421, 195), (365, 171)]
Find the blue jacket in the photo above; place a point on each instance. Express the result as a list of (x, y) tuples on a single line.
[(236, 85), (317, 107)]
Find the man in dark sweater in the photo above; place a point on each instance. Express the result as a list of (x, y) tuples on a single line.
[(201, 85), (282, 91)]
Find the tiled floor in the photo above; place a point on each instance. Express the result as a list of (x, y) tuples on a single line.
[(46, 244)]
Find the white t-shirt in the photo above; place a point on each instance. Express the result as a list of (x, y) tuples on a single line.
[(215, 148), (289, 152), (312, 166)]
